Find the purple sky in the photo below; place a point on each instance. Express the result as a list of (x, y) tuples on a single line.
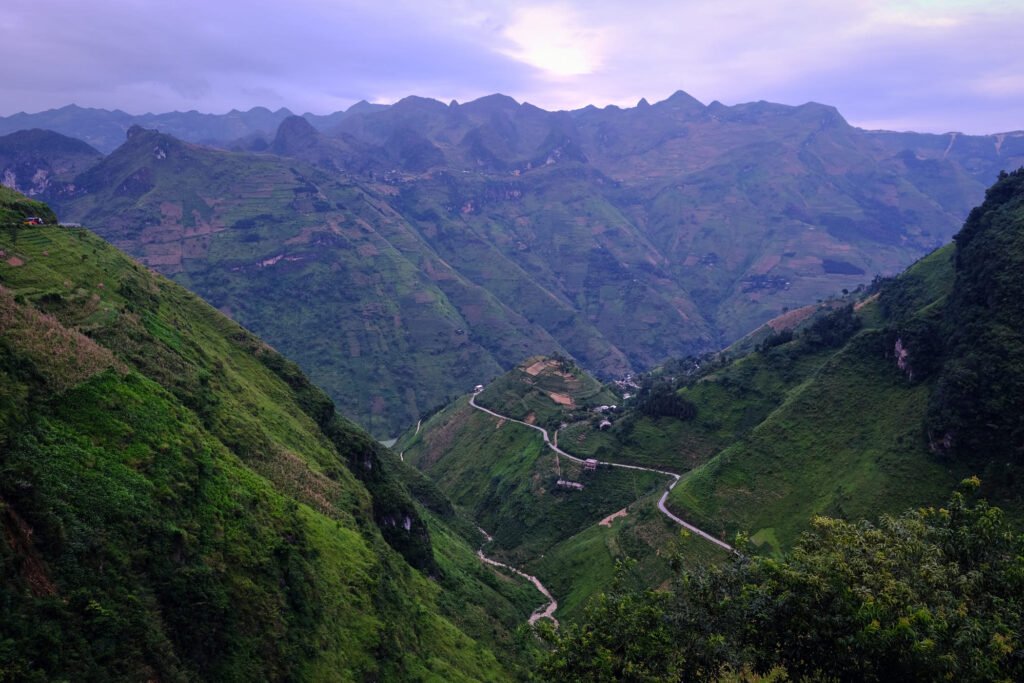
[(928, 65)]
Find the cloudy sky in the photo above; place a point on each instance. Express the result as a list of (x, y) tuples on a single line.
[(929, 65)]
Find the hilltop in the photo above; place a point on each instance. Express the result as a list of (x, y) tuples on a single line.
[(15, 208)]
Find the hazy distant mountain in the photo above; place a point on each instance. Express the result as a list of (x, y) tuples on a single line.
[(41, 162), (412, 250), (105, 130)]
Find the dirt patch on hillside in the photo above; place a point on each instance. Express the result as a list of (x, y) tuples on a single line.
[(292, 474), (539, 367), (438, 442), (562, 399), (64, 357), (530, 419), (607, 521), (788, 321), (15, 261)]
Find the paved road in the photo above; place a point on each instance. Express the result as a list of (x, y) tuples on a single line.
[(664, 496)]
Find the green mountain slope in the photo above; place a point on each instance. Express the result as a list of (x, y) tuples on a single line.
[(321, 267), (178, 502), (927, 393), (16, 207), (975, 410)]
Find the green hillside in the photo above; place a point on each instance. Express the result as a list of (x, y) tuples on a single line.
[(933, 593), (927, 392), (178, 502), (292, 252), (15, 208), (544, 390), (505, 478)]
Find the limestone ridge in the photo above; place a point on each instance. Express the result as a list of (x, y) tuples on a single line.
[(294, 135)]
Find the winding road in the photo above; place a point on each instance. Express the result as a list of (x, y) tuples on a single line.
[(547, 611), (664, 496), (544, 611)]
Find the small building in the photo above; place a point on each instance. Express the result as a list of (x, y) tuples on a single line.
[(590, 464), (570, 485), (605, 424), (478, 388), (33, 220)]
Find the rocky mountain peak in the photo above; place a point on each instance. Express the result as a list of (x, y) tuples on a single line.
[(293, 133)]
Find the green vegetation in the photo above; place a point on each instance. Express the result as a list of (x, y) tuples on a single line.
[(585, 564), (932, 594), (504, 477), (833, 415), (975, 412), (501, 474), (926, 393), (845, 442), (178, 502)]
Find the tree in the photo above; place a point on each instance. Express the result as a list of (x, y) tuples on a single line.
[(933, 594)]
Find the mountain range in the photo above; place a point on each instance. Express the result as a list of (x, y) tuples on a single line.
[(403, 253)]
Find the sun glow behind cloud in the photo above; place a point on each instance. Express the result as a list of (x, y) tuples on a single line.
[(554, 40)]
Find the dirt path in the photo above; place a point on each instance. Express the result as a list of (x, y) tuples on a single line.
[(607, 521), (664, 496), (546, 611)]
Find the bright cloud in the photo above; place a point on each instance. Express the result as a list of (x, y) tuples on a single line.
[(554, 40)]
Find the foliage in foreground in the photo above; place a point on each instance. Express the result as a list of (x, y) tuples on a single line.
[(933, 594)]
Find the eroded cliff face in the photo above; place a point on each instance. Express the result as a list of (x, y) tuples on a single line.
[(902, 354), (41, 163)]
